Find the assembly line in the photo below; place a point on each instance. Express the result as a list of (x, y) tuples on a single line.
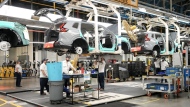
[(80, 53)]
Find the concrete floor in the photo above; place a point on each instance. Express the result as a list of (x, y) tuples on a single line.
[(153, 101), (6, 101)]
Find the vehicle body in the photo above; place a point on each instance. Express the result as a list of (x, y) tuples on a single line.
[(79, 37), (153, 43), (14, 33), (147, 43)]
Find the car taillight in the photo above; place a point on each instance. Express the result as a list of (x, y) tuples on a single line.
[(146, 38), (62, 28)]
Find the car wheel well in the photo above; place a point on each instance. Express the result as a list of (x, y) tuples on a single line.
[(80, 43), (125, 47), (157, 48), (9, 36)]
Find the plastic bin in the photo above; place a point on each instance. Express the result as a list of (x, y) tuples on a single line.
[(158, 86), (172, 71), (152, 86), (54, 71), (56, 91), (164, 87)]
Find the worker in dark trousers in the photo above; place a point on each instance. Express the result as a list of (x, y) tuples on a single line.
[(164, 64), (101, 69), (66, 66), (43, 77), (157, 66), (18, 73)]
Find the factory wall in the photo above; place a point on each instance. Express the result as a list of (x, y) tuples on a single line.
[(27, 50)]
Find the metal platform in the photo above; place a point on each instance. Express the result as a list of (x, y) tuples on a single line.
[(113, 92)]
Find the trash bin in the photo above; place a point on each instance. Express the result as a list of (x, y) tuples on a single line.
[(56, 91)]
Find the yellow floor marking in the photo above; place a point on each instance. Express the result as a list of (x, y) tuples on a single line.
[(146, 102), (86, 103), (10, 103), (2, 104)]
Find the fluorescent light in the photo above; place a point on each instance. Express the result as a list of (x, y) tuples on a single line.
[(142, 9), (157, 9), (184, 21)]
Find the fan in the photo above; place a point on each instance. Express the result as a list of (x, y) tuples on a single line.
[(129, 31)]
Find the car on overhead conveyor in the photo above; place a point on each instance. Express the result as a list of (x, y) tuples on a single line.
[(79, 37), (14, 33)]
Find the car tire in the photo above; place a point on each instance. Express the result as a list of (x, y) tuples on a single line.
[(155, 53), (78, 50)]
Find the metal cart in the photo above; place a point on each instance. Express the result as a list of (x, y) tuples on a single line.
[(109, 77), (166, 88)]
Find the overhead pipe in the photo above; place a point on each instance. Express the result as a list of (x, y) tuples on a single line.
[(174, 13)]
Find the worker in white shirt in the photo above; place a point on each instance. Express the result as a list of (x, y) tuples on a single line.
[(18, 73), (66, 66), (43, 77), (164, 64), (101, 69)]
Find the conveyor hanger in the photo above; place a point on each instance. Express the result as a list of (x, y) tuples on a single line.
[(88, 6), (172, 21)]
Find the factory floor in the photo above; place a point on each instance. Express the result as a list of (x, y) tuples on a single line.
[(153, 101), (126, 94)]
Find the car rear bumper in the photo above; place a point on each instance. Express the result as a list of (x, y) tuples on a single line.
[(140, 49), (54, 45)]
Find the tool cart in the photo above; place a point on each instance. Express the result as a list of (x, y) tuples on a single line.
[(169, 88)]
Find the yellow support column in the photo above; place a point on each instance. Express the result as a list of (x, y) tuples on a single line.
[(54, 6)]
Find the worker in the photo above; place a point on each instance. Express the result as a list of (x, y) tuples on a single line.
[(43, 77), (164, 64), (66, 66), (157, 65), (101, 68), (18, 73)]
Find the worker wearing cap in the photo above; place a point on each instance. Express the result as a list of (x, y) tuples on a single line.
[(66, 66), (101, 69), (18, 72), (43, 77), (164, 64)]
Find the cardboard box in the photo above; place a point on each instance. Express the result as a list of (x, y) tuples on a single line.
[(75, 89)]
